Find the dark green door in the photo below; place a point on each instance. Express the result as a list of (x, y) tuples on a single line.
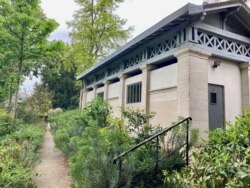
[(216, 106)]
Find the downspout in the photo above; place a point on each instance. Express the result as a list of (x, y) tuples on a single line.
[(227, 15)]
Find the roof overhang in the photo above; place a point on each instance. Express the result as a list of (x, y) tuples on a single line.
[(164, 25), (171, 21)]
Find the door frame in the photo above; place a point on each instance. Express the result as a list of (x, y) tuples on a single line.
[(223, 104)]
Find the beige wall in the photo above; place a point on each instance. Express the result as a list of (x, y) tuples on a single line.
[(164, 77), (113, 98), (113, 90), (114, 103), (99, 90), (164, 104), (90, 96), (163, 95), (192, 89), (227, 75)]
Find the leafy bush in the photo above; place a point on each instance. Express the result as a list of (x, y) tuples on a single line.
[(66, 126), (223, 161), (18, 152), (8, 125), (34, 108), (92, 138), (92, 165), (170, 157)]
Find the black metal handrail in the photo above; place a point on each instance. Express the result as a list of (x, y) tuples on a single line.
[(156, 136)]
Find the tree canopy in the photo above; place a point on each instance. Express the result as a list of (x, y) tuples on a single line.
[(59, 79), (96, 31), (24, 30)]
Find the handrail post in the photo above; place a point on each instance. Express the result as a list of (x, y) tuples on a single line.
[(187, 143), (157, 155)]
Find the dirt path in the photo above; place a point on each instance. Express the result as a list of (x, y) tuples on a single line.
[(52, 170)]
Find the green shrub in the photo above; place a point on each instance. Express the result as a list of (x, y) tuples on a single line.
[(92, 138), (66, 126), (144, 158), (18, 153), (223, 161), (92, 165), (8, 125)]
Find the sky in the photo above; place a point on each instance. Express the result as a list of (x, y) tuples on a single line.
[(141, 14)]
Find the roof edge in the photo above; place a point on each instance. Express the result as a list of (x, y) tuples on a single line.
[(188, 9)]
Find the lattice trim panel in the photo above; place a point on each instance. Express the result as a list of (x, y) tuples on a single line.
[(163, 47), (223, 44), (148, 52)]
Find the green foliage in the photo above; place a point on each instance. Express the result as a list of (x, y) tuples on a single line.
[(92, 165), (23, 34), (66, 126), (8, 125), (138, 123), (18, 152), (223, 161), (60, 79), (92, 138), (36, 106), (142, 161), (96, 31), (99, 111)]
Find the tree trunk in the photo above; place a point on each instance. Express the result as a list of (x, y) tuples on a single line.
[(15, 106), (10, 92)]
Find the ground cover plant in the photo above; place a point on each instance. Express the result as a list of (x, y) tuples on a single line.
[(222, 161), (19, 145), (91, 138)]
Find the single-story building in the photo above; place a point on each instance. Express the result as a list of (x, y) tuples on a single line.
[(195, 62)]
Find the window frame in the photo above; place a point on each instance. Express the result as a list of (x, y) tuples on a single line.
[(134, 92)]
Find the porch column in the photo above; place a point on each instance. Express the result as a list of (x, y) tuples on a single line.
[(146, 86), (106, 88), (83, 94), (122, 78), (94, 90), (245, 85), (192, 87)]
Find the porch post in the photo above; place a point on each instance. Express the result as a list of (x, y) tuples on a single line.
[(245, 85), (146, 86), (122, 78), (83, 94), (192, 86), (106, 88)]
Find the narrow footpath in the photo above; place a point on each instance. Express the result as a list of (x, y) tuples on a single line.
[(52, 170)]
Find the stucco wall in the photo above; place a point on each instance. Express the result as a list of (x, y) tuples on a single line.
[(227, 75), (90, 96), (163, 95), (164, 104), (113, 90), (100, 89), (114, 103), (113, 98), (164, 77)]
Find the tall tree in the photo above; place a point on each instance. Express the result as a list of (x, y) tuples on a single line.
[(24, 30), (96, 31), (59, 79)]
